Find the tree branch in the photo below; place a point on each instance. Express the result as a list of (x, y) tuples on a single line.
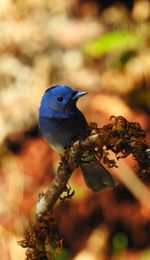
[(122, 138)]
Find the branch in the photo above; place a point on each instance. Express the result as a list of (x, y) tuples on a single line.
[(58, 185), (122, 138)]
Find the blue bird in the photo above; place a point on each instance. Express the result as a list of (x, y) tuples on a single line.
[(61, 123)]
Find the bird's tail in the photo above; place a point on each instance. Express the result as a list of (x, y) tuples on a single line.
[(95, 175)]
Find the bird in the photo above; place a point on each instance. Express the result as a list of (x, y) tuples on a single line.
[(61, 123)]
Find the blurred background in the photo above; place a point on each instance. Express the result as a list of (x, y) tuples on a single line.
[(99, 46)]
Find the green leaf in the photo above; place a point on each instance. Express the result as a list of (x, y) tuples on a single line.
[(122, 40), (63, 256), (120, 242)]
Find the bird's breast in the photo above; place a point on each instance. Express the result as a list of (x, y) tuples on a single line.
[(61, 133)]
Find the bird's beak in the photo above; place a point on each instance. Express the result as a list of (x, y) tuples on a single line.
[(79, 94)]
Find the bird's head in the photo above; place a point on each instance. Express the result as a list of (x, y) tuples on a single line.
[(59, 102)]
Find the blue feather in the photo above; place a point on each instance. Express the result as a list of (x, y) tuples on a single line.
[(61, 123)]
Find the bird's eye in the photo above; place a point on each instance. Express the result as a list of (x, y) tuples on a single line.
[(60, 99)]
